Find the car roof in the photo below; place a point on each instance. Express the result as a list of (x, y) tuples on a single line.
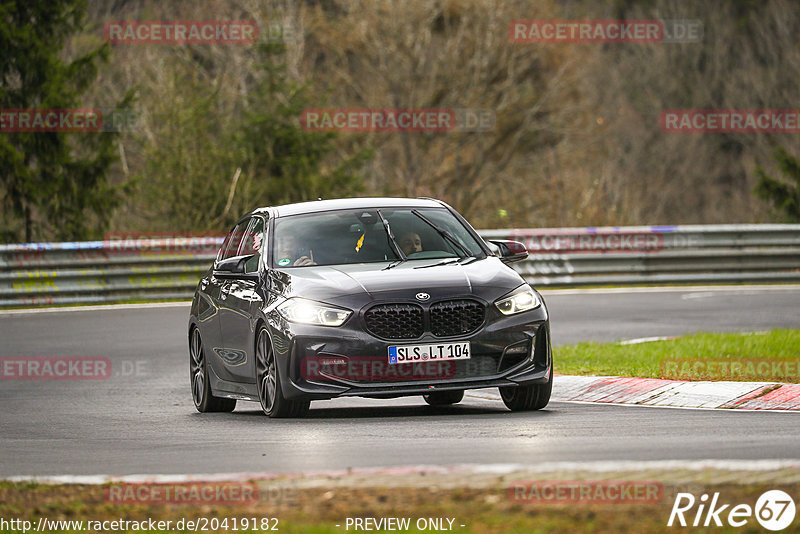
[(317, 206)]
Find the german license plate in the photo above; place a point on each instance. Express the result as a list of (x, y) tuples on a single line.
[(425, 353)]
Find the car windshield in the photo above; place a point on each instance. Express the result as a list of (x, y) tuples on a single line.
[(359, 236)]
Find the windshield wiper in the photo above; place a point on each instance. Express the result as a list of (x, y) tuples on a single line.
[(394, 263), (460, 261), (444, 233), (392, 243), (445, 262)]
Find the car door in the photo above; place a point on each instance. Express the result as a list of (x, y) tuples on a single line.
[(241, 301), (209, 293), (217, 291), (208, 312)]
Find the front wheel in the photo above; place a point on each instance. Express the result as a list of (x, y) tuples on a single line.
[(204, 401), (527, 398), (270, 394)]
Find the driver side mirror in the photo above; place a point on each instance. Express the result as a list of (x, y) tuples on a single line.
[(510, 251), (234, 268)]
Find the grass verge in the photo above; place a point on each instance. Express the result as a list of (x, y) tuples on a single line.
[(757, 356), (320, 510)]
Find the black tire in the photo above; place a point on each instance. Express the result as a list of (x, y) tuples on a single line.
[(443, 398), (204, 401), (527, 398), (268, 380)]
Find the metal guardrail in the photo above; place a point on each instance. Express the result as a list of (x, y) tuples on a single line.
[(44, 274), (41, 274), (762, 253)]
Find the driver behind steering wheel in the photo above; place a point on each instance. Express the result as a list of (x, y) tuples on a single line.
[(410, 242)]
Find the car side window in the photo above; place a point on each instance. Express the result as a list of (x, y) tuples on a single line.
[(234, 240), (252, 244)]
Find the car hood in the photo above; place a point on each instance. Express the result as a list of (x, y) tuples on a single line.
[(486, 278)]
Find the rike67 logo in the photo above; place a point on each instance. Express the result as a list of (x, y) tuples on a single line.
[(774, 510)]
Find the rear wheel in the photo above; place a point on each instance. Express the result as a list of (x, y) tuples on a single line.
[(204, 401), (527, 398), (443, 398), (270, 394)]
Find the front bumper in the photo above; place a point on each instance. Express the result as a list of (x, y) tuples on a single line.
[(318, 362)]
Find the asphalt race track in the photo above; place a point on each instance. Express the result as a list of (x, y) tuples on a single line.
[(141, 420)]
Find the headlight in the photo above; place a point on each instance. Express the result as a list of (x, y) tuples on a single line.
[(299, 310), (523, 300)]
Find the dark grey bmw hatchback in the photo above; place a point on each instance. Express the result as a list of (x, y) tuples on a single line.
[(369, 297)]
